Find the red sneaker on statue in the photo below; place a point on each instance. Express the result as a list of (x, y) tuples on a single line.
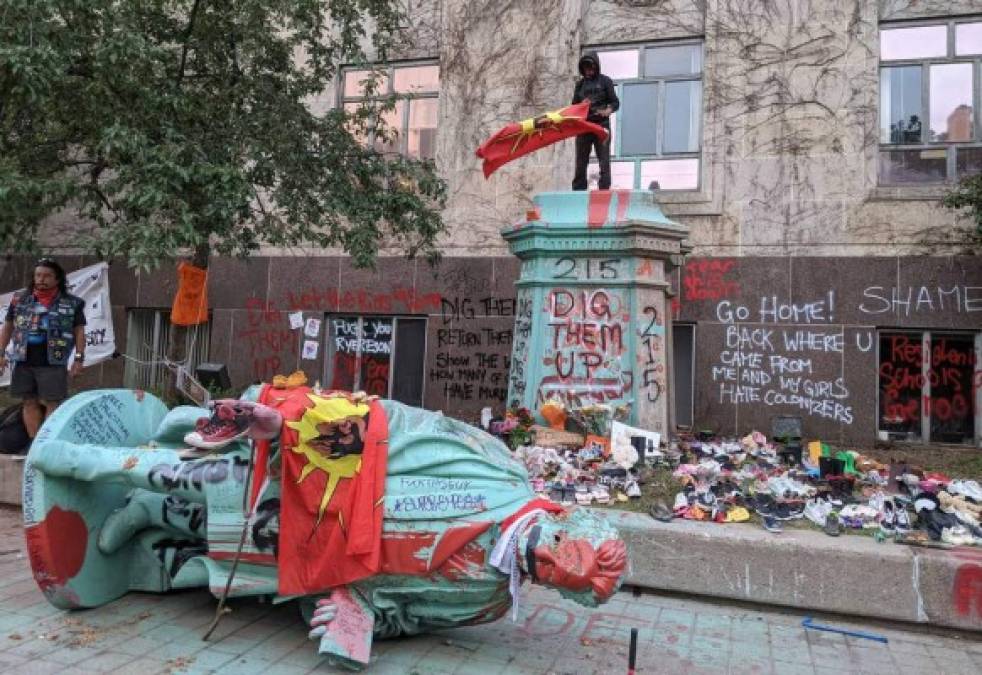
[(226, 424)]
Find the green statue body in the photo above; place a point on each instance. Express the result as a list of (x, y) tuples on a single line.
[(109, 507)]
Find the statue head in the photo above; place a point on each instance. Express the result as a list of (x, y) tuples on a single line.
[(579, 553)]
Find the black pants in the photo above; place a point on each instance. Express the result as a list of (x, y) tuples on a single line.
[(584, 142)]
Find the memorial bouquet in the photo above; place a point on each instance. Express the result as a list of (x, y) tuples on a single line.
[(516, 427), (595, 418)]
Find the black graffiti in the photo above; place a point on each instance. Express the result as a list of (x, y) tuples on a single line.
[(181, 551), (455, 309), (95, 337), (266, 528), (193, 475), (651, 385), (459, 337), (592, 269), (650, 328), (177, 507)]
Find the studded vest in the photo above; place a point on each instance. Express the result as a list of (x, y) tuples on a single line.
[(59, 333)]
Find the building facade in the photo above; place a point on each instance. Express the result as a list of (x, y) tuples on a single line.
[(806, 145)]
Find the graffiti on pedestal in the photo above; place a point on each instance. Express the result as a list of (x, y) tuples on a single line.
[(520, 346), (651, 354), (585, 330)]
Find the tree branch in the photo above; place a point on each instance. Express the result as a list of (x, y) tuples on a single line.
[(187, 38)]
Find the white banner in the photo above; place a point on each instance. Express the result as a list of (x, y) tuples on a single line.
[(92, 285)]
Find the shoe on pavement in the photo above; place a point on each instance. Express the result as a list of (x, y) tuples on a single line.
[(737, 514), (966, 488), (902, 519), (817, 511), (832, 526), (600, 494), (583, 496), (888, 518), (659, 511), (771, 524), (957, 535), (226, 424)]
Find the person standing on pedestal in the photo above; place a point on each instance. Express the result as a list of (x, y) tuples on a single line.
[(599, 90)]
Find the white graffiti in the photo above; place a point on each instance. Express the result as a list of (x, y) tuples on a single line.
[(905, 300)]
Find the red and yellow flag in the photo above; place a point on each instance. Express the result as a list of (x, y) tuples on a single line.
[(334, 453), (521, 138)]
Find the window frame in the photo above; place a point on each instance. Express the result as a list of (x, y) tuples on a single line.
[(925, 63), (659, 113), (145, 366), (357, 385), (390, 68)]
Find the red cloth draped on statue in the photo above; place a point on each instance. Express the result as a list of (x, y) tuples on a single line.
[(330, 508)]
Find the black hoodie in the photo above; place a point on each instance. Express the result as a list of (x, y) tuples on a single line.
[(599, 89)]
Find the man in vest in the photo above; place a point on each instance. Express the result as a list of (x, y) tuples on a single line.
[(43, 325)]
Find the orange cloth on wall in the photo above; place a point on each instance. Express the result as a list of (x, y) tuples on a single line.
[(191, 300)]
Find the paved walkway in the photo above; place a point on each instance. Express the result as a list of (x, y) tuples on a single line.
[(145, 634)]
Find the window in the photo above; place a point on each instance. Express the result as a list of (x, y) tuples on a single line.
[(930, 130), (147, 336), (381, 355), (413, 120), (657, 133), (928, 399), (683, 372)]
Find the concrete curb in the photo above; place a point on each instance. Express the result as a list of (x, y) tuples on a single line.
[(806, 570)]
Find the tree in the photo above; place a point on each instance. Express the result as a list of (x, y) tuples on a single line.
[(966, 197), (183, 127)]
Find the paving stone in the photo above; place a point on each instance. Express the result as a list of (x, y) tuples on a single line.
[(146, 634), (106, 662), (792, 668)]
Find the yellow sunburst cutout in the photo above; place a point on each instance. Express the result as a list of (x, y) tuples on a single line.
[(538, 125), (326, 410)]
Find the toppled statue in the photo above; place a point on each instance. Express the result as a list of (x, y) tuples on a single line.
[(380, 519)]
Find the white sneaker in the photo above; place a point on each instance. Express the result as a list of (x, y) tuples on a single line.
[(957, 535), (818, 511), (966, 488), (681, 502), (633, 490)]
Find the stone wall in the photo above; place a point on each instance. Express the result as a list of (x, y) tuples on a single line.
[(774, 336), (790, 115)]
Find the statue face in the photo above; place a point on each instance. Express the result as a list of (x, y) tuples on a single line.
[(580, 554)]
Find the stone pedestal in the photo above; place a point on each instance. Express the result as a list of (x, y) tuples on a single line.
[(593, 316)]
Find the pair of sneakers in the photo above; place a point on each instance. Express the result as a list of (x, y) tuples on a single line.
[(894, 518)]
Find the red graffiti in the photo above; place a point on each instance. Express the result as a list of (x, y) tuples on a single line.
[(56, 547), (598, 207), (362, 300), (454, 553), (547, 620), (967, 588), (708, 280), (902, 379), (587, 389)]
